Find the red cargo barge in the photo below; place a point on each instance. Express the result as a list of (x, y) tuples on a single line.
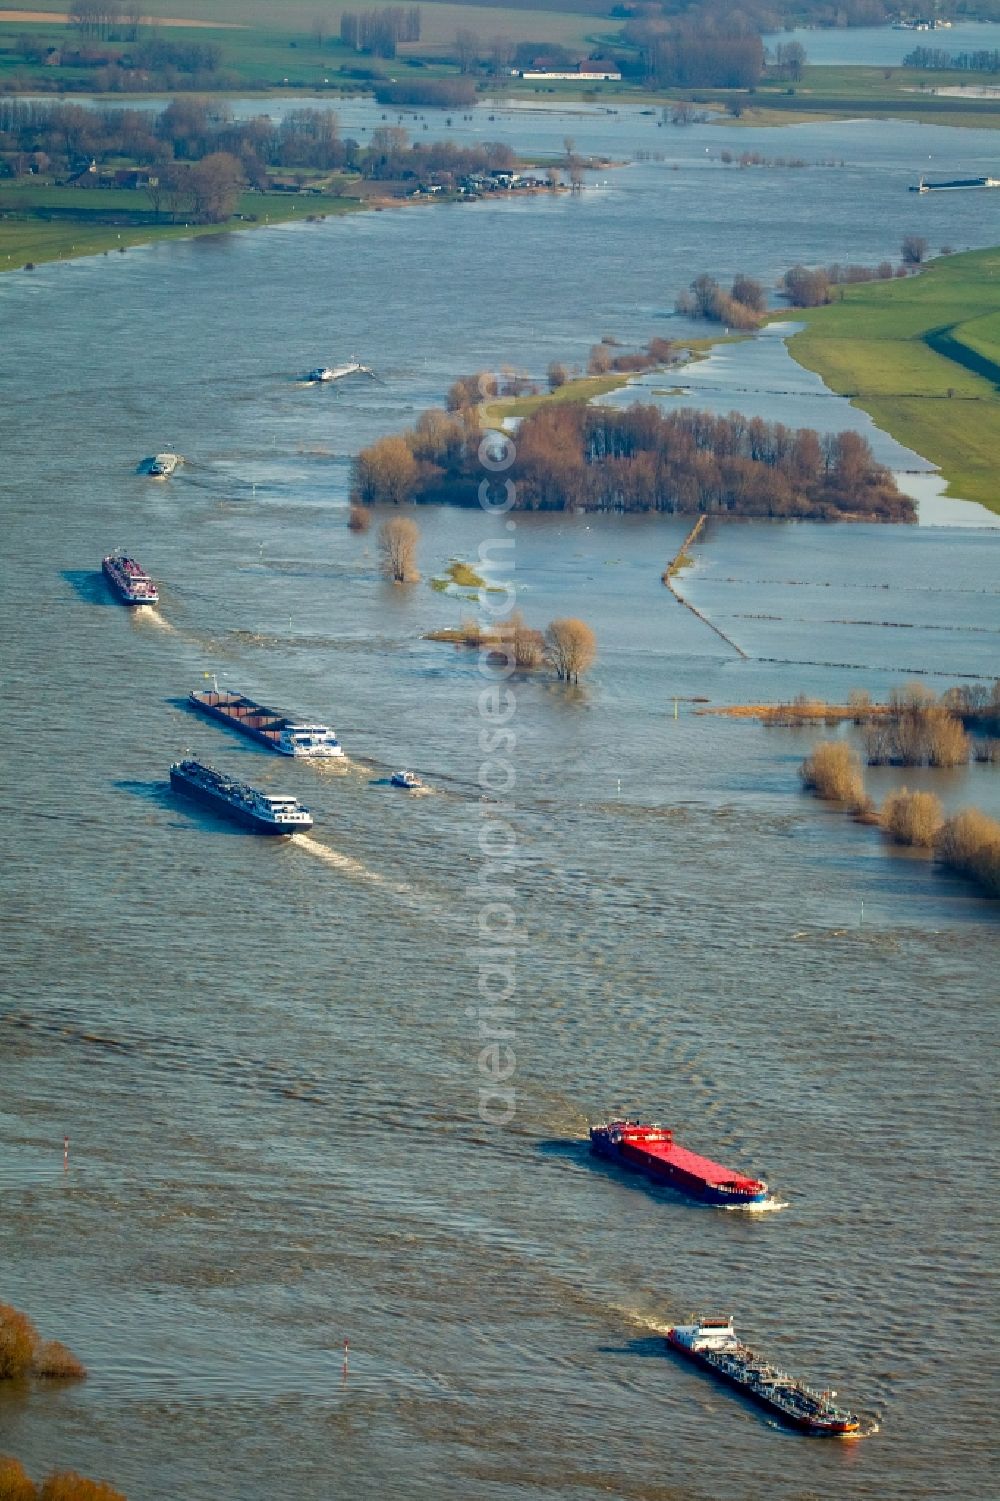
[(652, 1150)]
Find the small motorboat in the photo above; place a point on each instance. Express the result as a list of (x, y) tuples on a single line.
[(163, 464), (405, 779), (325, 373)]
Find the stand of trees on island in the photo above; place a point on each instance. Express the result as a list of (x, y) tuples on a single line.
[(573, 457)]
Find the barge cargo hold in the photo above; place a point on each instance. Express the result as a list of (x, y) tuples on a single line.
[(713, 1345), (264, 812), (652, 1150), (273, 728), (956, 185), (129, 580)]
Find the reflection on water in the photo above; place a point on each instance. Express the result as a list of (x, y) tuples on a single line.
[(266, 1062)]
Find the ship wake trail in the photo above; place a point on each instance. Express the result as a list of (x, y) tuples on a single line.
[(149, 615), (347, 864), (401, 891)]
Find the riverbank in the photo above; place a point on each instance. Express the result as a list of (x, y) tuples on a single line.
[(921, 356), (50, 222), (41, 222)]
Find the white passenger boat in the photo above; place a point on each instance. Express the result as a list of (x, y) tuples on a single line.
[(164, 464)]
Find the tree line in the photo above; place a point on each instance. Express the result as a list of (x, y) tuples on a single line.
[(58, 137), (744, 305), (106, 18), (982, 60), (169, 64), (679, 54), (380, 31), (575, 457)]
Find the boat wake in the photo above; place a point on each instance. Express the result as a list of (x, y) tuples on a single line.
[(151, 616), (347, 864)]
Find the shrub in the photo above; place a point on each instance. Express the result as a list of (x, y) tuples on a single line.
[(912, 817), (15, 1483), (864, 809), (947, 742), (359, 518), (67, 1485), (17, 1343), (23, 1354), (970, 844), (57, 1363), (523, 642), (833, 771)]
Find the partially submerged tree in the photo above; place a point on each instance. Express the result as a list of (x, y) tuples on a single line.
[(912, 817), (385, 471), (62, 1485), (397, 546), (833, 771), (22, 1353), (914, 249), (970, 844), (570, 646)]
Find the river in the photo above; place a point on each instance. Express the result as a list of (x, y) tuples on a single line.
[(264, 1056)]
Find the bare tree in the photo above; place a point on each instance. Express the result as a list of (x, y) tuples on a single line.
[(359, 518), (132, 22), (522, 644), (214, 184), (466, 50), (914, 249), (501, 54), (570, 647), (397, 546)]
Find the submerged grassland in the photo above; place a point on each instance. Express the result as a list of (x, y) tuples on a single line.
[(45, 222), (921, 355)]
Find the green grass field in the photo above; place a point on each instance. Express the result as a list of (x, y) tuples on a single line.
[(43, 223), (922, 357), (277, 47)]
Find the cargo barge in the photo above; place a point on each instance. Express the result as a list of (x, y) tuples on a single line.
[(273, 728), (264, 812), (651, 1149), (129, 580), (956, 185), (713, 1345)]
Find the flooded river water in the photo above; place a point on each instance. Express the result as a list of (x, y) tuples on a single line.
[(266, 1053)]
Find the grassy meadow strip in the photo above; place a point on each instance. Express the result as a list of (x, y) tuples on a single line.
[(921, 355)]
